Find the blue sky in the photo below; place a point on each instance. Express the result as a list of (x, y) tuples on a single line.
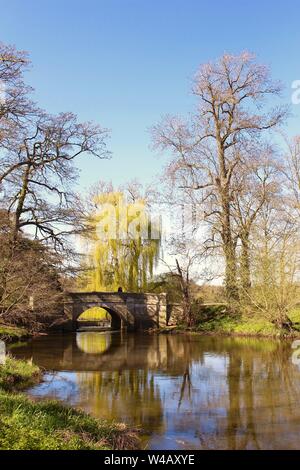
[(125, 63)]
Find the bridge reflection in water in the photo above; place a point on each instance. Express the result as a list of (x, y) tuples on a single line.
[(184, 391), (94, 351)]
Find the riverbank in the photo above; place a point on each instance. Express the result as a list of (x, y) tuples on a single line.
[(10, 333), (47, 424), (218, 321)]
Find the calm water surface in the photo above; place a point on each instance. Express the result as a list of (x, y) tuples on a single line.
[(185, 392)]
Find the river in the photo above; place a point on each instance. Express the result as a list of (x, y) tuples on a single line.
[(182, 391)]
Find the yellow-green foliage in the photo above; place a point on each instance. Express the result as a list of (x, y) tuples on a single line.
[(117, 258), (95, 313), (294, 316)]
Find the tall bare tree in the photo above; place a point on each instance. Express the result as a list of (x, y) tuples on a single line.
[(208, 149)]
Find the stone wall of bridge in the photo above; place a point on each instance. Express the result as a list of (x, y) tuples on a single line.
[(128, 310), (174, 314)]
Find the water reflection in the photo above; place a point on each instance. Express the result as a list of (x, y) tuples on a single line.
[(93, 343), (184, 391)]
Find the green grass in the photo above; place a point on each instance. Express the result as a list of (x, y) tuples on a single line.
[(217, 319), (242, 326), (8, 333), (50, 425), (18, 374)]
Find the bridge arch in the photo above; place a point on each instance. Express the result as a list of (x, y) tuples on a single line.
[(118, 319)]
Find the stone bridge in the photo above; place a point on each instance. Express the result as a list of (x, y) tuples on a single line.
[(127, 310)]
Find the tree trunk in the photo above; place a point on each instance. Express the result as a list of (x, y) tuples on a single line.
[(223, 185), (13, 239), (245, 278), (229, 251), (184, 284), (15, 231), (21, 201)]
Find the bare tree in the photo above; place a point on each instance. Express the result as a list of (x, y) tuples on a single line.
[(189, 263), (37, 178), (291, 173), (30, 288), (16, 107), (208, 150), (39, 208), (276, 264), (257, 183)]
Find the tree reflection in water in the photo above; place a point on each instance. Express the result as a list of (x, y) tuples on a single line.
[(93, 342), (129, 395), (184, 391)]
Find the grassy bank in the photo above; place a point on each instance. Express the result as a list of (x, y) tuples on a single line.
[(43, 425), (12, 333), (227, 325), (16, 375), (218, 320)]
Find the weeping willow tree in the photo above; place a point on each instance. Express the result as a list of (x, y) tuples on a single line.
[(122, 244)]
